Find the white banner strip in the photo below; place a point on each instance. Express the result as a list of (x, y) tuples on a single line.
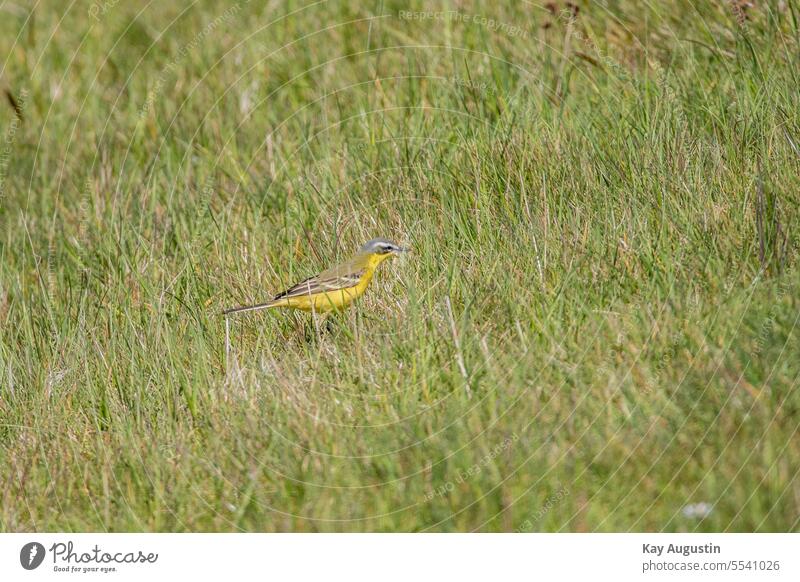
[(401, 557)]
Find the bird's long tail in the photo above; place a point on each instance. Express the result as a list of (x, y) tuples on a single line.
[(266, 305)]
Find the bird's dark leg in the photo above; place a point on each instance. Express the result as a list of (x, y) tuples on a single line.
[(335, 324), (329, 327), (319, 326), (308, 327)]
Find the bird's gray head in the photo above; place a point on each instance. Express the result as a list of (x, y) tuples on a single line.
[(382, 246)]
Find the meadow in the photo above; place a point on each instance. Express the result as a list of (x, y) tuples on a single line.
[(596, 329)]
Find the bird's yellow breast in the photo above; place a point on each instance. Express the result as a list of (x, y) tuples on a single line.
[(332, 300)]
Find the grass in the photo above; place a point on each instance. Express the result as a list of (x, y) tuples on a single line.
[(597, 326)]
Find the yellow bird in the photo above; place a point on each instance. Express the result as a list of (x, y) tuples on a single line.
[(334, 288)]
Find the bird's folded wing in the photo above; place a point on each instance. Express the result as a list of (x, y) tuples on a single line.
[(322, 284)]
